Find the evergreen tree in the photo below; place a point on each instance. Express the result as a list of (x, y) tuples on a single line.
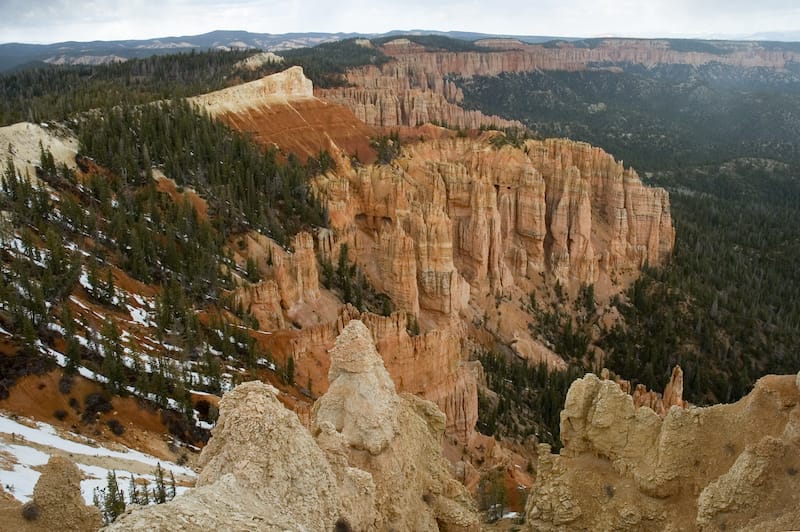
[(110, 500), (160, 490)]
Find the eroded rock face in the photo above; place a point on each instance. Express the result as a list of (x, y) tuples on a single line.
[(361, 403), (281, 110), (725, 466), (290, 279), (396, 439), (480, 219), (415, 87), (261, 470), (375, 461)]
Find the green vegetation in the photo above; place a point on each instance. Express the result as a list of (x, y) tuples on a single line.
[(435, 42), (387, 147), (658, 118), (58, 92), (528, 399), (64, 230), (350, 283), (111, 499), (727, 308), (327, 63), (247, 188)]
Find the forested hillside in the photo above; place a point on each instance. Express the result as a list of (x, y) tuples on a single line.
[(723, 142), (656, 118), (57, 92), (131, 282)]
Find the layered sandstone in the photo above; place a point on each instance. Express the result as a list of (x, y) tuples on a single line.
[(624, 467), (374, 461), (479, 220), (281, 110), (289, 287), (430, 364), (416, 87)]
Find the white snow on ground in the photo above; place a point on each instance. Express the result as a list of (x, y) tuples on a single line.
[(21, 479), (139, 316)]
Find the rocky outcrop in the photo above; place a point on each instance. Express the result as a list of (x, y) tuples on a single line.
[(261, 470), (374, 461), (658, 403), (623, 467), (280, 110), (290, 279), (480, 219), (291, 84), (395, 438), (430, 364), (57, 496)]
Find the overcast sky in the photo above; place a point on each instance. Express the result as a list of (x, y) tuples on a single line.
[(47, 21)]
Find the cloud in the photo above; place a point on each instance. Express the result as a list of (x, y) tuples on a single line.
[(57, 20)]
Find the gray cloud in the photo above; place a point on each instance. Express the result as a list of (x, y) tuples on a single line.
[(58, 20)]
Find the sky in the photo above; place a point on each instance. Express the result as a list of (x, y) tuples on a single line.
[(48, 21)]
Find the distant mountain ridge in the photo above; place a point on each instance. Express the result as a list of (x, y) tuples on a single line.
[(13, 55)]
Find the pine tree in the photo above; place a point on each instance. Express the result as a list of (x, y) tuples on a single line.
[(133, 493), (171, 488), (160, 490), (110, 499)]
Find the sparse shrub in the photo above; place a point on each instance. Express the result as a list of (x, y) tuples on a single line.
[(342, 525), (30, 511), (65, 385), (792, 471), (60, 414), (95, 403), (116, 427), (110, 500), (73, 403)]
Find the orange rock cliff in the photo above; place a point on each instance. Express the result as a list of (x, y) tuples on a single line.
[(416, 87), (445, 229)]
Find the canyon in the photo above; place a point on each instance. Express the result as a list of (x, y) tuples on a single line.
[(418, 85), (457, 232)]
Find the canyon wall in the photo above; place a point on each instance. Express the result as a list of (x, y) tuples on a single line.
[(479, 220), (445, 230), (416, 87)]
